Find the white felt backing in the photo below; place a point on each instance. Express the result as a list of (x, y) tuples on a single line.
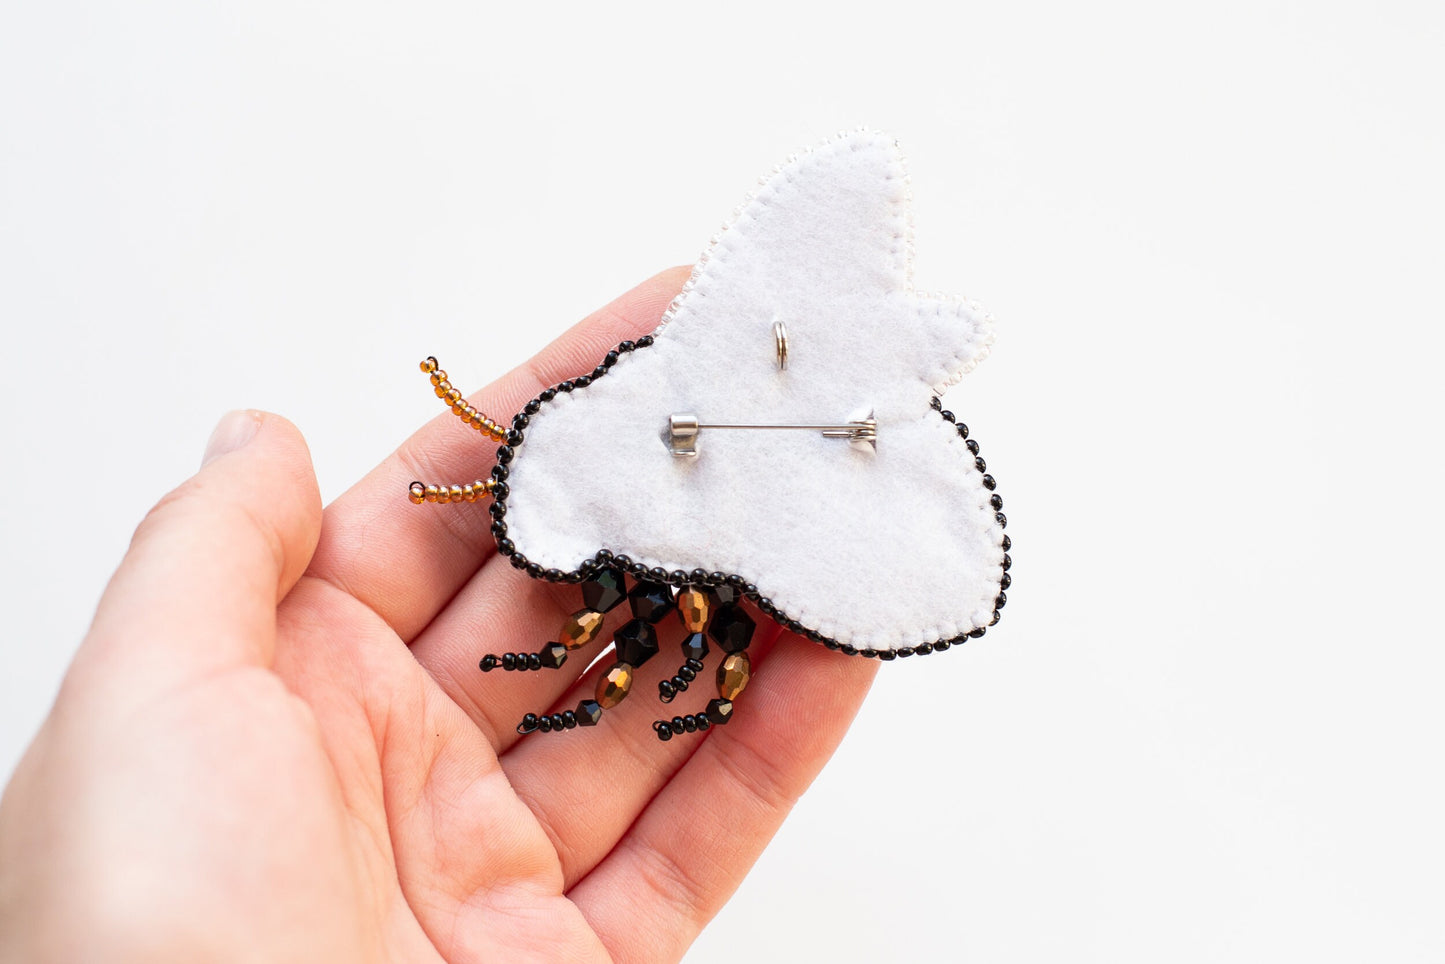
[(882, 549)]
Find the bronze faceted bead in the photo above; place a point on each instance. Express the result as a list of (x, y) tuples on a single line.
[(612, 688), (693, 605), (733, 675), (581, 628)]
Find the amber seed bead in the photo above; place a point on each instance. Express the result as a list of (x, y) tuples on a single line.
[(432, 493), (456, 493), (429, 364), (417, 493)]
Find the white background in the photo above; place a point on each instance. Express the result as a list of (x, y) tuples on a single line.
[(1209, 727)]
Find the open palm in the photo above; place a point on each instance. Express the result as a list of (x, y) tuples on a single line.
[(275, 743)]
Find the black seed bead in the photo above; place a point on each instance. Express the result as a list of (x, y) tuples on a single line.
[(947, 415), (687, 673), (750, 591), (499, 529), (962, 430), (736, 581), (506, 546), (664, 732), (565, 386), (718, 578), (610, 359), (548, 394), (941, 645), (504, 454), (488, 663), (544, 723), (598, 372), (530, 719), (534, 662), (509, 661), (977, 633), (603, 556), (514, 438), (501, 490), (905, 651), (937, 403), (497, 509), (830, 642), (552, 656), (533, 407), (1006, 581), (1007, 544), (574, 577), (867, 652), (500, 473), (996, 501), (731, 628), (996, 617), (519, 561), (658, 574), (604, 590), (645, 341), (989, 483), (623, 562), (923, 649), (534, 569), (719, 711), (520, 421), (677, 725), (666, 691), (1002, 519), (689, 723), (1001, 600), (638, 569), (636, 642), (702, 722), (887, 655), (814, 636), (766, 605), (698, 576), (569, 719), (558, 721), (582, 381), (980, 464), (626, 346), (588, 713), (677, 577), (848, 650), (1008, 562), (553, 575), (972, 446)]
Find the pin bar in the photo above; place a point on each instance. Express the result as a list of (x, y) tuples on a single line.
[(682, 431)]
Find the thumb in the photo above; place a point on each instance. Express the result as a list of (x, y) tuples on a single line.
[(198, 588)]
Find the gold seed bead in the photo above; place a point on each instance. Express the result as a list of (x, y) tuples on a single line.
[(453, 395), (440, 392), (612, 686), (432, 493), (498, 432), (429, 364), (456, 493), (488, 426), (417, 492), (491, 484), (469, 492), (437, 378)]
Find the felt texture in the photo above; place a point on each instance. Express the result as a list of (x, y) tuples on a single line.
[(882, 549)]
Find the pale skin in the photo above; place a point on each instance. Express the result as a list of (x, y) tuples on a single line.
[(274, 743)]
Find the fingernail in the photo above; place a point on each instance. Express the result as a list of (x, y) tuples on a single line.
[(233, 431)]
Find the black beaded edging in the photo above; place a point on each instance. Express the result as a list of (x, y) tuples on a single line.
[(604, 558)]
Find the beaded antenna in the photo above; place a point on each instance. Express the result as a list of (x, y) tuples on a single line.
[(777, 445)]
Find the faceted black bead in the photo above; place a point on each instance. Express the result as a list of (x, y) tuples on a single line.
[(1006, 581), (650, 601), (626, 346), (719, 712), (645, 341), (1007, 545), (722, 595), (588, 713), (547, 394), (504, 454), (582, 381), (603, 591), (636, 642), (553, 655), (972, 446), (506, 546), (989, 483), (732, 629), (962, 430), (947, 415), (532, 407)]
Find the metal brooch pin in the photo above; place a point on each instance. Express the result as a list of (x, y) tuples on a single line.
[(683, 428), (780, 338)]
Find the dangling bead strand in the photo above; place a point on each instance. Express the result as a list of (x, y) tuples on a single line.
[(460, 407)]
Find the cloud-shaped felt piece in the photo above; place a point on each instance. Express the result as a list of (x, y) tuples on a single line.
[(881, 549)]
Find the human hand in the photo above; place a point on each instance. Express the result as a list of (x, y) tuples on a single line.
[(275, 744)]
